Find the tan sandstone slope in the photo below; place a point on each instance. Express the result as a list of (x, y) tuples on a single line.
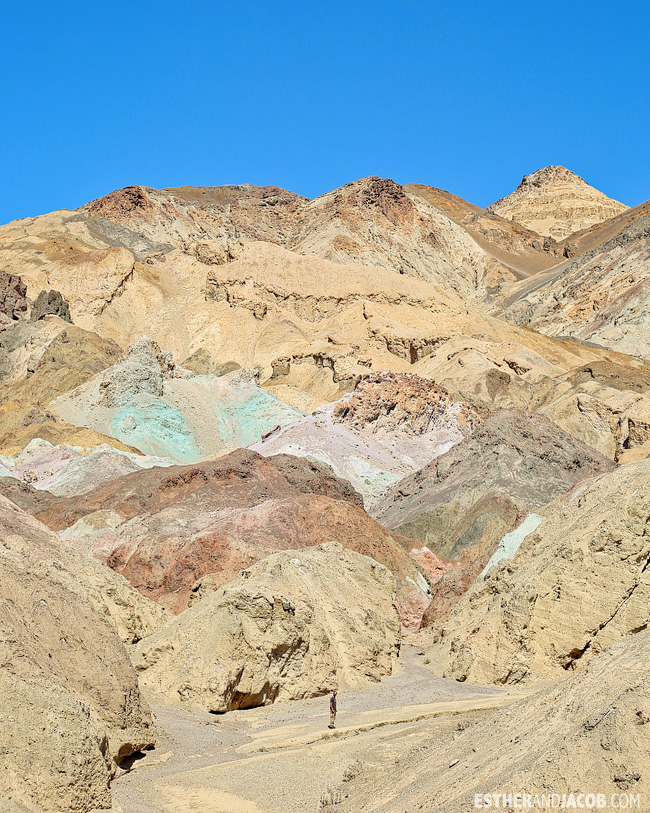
[(601, 296), (556, 202), (311, 327), (70, 698), (296, 624), (228, 277), (577, 584), (372, 221), (523, 251), (590, 733)]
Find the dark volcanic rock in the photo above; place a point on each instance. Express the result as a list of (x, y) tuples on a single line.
[(13, 297)]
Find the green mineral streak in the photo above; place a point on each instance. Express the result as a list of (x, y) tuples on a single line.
[(243, 420), (511, 542), (155, 429)]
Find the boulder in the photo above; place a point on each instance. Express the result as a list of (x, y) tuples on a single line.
[(295, 624)]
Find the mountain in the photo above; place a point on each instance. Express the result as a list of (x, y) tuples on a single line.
[(273, 445), (577, 584), (462, 503), (601, 296), (556, 202)]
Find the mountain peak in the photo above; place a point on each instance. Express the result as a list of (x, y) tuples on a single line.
[(556, 202), (552, 174)]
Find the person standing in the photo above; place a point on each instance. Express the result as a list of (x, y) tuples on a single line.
[(332, 709)]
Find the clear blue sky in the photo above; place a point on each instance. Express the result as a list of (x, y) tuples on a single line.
[(465, 96)]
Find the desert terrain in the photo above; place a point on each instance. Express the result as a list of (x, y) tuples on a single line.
[(255, 448)]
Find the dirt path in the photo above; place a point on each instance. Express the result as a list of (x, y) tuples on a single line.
[(280, 759)]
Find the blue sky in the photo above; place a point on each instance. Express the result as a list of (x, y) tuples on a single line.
[(465, 96)]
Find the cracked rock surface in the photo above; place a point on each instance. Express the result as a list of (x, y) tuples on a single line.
[(296, 624), (577, 584)]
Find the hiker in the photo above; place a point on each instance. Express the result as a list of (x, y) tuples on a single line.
[(332, 709)]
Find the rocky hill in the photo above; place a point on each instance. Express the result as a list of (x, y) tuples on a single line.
[(297, 624), (461, 504), (183, 531), (556, 202), (148, 402), (577, 584), (390, 425)]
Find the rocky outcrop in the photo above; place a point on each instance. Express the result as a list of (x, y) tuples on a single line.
[(145, 400), (296, 624), (386, 428), (587, 734), (50, 303), (54, 755), (383, 402), (602, 296), (141, 371), (176, 526), (577, 584), (462, 503), (556, 202), (65, 670), (13, 298)]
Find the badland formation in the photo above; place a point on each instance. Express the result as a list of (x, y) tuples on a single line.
[(255, 447)]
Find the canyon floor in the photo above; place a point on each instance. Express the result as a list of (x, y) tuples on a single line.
[(283, 758)]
